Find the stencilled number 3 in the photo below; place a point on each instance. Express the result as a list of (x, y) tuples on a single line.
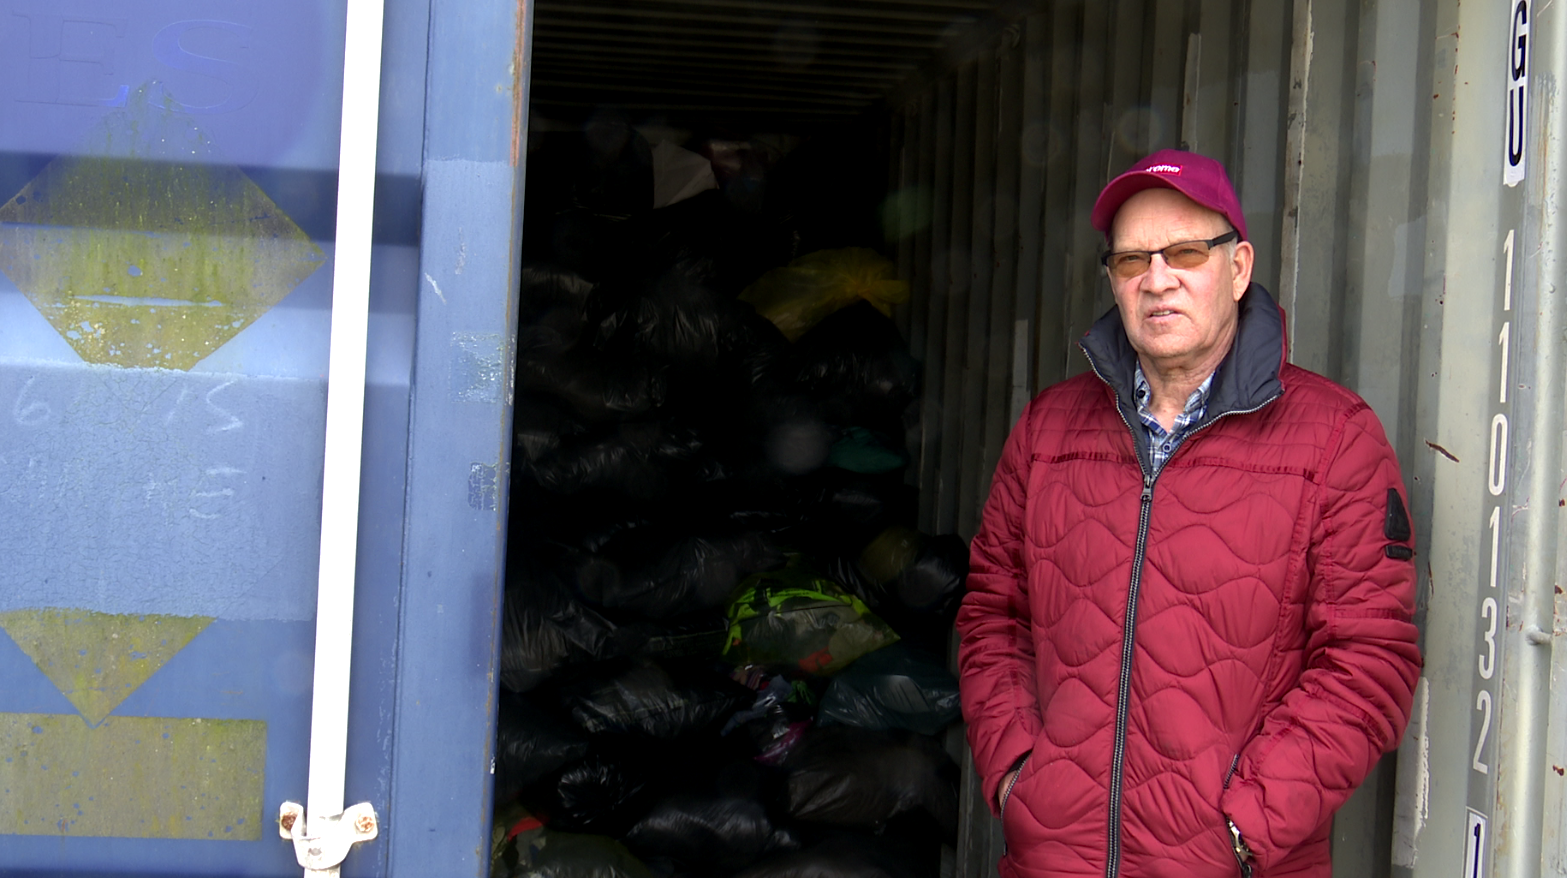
[(1488, 612)]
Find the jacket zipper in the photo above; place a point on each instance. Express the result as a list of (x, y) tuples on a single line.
[(1242, 865), (1129, 632), (1123, 691)]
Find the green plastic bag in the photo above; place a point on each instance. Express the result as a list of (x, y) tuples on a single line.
[(860, 451), (521, 847), (809, 289), (792, 618)]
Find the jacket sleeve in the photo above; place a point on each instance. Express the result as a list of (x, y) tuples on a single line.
[(996, 650), (1362, 660)]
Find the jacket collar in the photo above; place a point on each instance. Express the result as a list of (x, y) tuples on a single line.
[(1247, 379)]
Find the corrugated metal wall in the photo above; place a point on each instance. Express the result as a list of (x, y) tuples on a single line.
[(996, 163), (1323, 112)]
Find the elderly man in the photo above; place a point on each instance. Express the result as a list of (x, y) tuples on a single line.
[(1187, 636)]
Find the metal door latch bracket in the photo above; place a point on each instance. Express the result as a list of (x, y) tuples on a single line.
[(321, 851)]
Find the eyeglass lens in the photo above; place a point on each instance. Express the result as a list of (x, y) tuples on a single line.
[(1186, 254)]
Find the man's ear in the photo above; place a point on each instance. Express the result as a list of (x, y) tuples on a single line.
[(1240, 267)]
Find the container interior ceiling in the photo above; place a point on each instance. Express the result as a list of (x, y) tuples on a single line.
[(741, 64)]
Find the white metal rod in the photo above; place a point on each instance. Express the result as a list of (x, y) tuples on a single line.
[(345, 409)]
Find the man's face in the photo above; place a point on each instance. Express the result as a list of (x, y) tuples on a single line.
[(1178, 319)]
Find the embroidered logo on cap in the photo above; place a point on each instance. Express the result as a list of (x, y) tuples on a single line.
[(1163, 169)]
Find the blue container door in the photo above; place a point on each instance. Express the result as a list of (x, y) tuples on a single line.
[(168, 176)]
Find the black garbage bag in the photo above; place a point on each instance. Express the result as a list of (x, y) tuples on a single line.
[(597, 385), (708, 834), (615, 171), (912, 580), (584, 240), (605, 167), (740, 245), (858, 362), (894, 688), (864, 778), (552, 311), (844, 511), (546, 627), (529, 745), (541, 424), (934, 582), (602, 793), (658, 572), (673, 313), (843, 855), (905, 569), (638, 459), (797, 441), (583, 188), (583, 521), (550, 853), (693, 636), (791, 618), (645, 698)]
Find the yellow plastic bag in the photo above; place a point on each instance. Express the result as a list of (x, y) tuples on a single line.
[(807, 290)]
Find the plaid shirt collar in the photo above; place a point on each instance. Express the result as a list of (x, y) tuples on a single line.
[(1162, 442)]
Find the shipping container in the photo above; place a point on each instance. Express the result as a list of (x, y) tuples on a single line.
[(225, 588)]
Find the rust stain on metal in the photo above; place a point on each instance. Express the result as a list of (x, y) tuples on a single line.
[(519, 75), (1559, 770), (287, 822), (365, 823), (1442, 451)]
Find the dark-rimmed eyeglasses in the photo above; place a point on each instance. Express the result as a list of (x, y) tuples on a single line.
[(1127, 264)]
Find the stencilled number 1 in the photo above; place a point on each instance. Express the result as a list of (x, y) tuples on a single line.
[(1495, 484)]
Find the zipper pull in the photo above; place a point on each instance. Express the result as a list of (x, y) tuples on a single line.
[(1147, 489)]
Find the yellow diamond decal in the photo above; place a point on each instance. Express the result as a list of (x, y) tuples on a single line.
[(146, 249), (96, 659)]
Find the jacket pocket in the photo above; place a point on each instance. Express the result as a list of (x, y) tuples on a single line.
[(1006, 794)]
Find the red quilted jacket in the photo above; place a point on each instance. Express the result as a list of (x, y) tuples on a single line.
[(1231, 637)]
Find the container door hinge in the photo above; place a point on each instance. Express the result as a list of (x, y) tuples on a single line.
[(321, 845)]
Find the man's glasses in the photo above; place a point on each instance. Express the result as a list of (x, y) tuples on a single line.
[(1127, 264)]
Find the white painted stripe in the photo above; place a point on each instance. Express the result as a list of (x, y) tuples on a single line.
[(345, 408)]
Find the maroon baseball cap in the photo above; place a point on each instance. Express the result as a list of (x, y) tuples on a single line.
[(1198, 177)]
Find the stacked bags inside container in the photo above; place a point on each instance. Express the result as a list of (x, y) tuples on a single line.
[(723, 635)]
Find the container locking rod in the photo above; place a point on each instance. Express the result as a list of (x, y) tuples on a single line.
[(323, 832)]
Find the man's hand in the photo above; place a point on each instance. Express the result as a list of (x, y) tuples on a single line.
[(1006, 787)]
